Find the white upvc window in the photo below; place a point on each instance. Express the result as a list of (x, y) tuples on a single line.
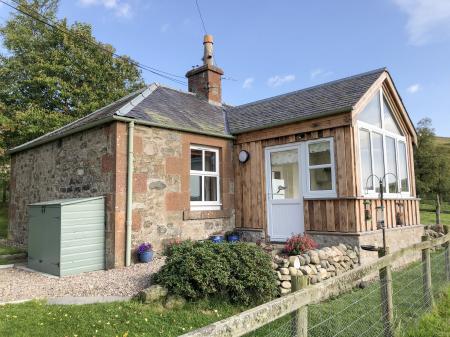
[(204, 179), (320, 168), (382, 150)]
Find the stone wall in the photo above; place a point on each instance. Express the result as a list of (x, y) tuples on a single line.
[(396, 238), (318, 265), (161, 197), (79, 165)]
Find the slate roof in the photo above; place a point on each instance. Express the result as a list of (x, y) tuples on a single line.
[(325, 99), (173, 108), (156, 104), (170, 108)]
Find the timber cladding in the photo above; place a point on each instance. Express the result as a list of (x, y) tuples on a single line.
[(346, 213)]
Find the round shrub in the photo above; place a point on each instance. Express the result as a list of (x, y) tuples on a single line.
[(240, 271), (298, 244)]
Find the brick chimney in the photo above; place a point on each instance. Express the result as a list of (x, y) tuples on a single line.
[(205, 81)]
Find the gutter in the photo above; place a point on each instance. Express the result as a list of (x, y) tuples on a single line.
[(129, 210), (168, 127)]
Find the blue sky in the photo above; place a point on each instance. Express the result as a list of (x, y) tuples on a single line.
[(273, 47)]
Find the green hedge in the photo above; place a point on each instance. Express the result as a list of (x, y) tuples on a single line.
[(240, 271)]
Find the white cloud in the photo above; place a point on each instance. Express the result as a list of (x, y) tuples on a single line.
[(427, 19), (412, 89), (277, 80), (248, 83), (121, 8), (319, 73), (165, 27)]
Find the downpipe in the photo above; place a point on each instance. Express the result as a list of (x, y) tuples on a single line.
[(130, 170)]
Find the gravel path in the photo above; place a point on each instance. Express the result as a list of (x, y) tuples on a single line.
[(19, 284)]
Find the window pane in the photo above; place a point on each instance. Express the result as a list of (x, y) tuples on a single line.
[(403, 168), (389, 121), (196, 160), (210, 188), (391, 164), (319, 153), (366, 159), (196, 188), (284, 172), (372, 112), (210, 161), (320, 179), (378, 157)]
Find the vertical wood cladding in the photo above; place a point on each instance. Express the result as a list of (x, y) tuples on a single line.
[(346, 213)]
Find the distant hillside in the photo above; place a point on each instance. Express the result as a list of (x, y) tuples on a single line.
[(444, 144)]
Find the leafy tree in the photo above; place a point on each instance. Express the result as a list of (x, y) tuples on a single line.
[(432, 167), (49, 78)]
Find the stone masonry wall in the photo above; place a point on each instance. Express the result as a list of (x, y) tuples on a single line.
[(318, 265), (161, 198), (79, 165)]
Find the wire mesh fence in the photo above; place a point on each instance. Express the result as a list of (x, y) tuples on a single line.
[(360, 312)]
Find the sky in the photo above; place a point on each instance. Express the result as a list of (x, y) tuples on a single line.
[(267, 48)]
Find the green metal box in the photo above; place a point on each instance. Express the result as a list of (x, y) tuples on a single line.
[(67, 237)]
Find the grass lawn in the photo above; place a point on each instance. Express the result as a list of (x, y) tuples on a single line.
[(428, 214), (3, 220), (353, 312), (436, 323)]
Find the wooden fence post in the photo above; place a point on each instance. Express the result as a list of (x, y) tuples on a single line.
[(426, 271), (300, 316), (447, 254), (386, 296)]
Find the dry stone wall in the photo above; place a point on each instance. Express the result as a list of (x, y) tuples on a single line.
[(318, 265)]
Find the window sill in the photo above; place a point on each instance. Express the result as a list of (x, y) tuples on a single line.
[(320, 195), (206, 214)]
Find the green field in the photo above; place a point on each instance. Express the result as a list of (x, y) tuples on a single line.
[(428, 214), (436, 323)]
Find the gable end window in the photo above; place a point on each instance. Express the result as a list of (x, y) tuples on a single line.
[(204, 179), (320, 168), (382, 149)]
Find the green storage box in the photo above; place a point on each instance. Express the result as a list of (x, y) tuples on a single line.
[(67, 237)]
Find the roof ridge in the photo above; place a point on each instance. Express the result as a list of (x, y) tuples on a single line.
[(312, 87)]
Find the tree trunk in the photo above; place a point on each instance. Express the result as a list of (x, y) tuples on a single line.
[(438, 209), (4, 187)]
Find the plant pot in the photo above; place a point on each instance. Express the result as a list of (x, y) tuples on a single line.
[(217, 238), (233, 238), (146, 256)]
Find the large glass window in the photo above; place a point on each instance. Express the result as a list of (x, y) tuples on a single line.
[(366, 159), (204, 178), (382, 148), (371, 113), (403, 167), (391, 166), (320, 166), (378, 157)]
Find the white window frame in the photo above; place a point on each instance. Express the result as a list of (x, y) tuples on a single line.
[(205, 205), (308, 193), (385, 133)]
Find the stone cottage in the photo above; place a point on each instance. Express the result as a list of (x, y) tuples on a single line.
[(182, 165)]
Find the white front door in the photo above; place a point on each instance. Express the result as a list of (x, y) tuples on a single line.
[(284, 193)]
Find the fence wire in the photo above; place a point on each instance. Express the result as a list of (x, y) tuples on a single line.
[(359, 313)]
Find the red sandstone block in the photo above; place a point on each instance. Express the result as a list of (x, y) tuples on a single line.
[(174, 165), (137, 221), (107, 163), (139, 183), (175, 201), (138, 145)]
